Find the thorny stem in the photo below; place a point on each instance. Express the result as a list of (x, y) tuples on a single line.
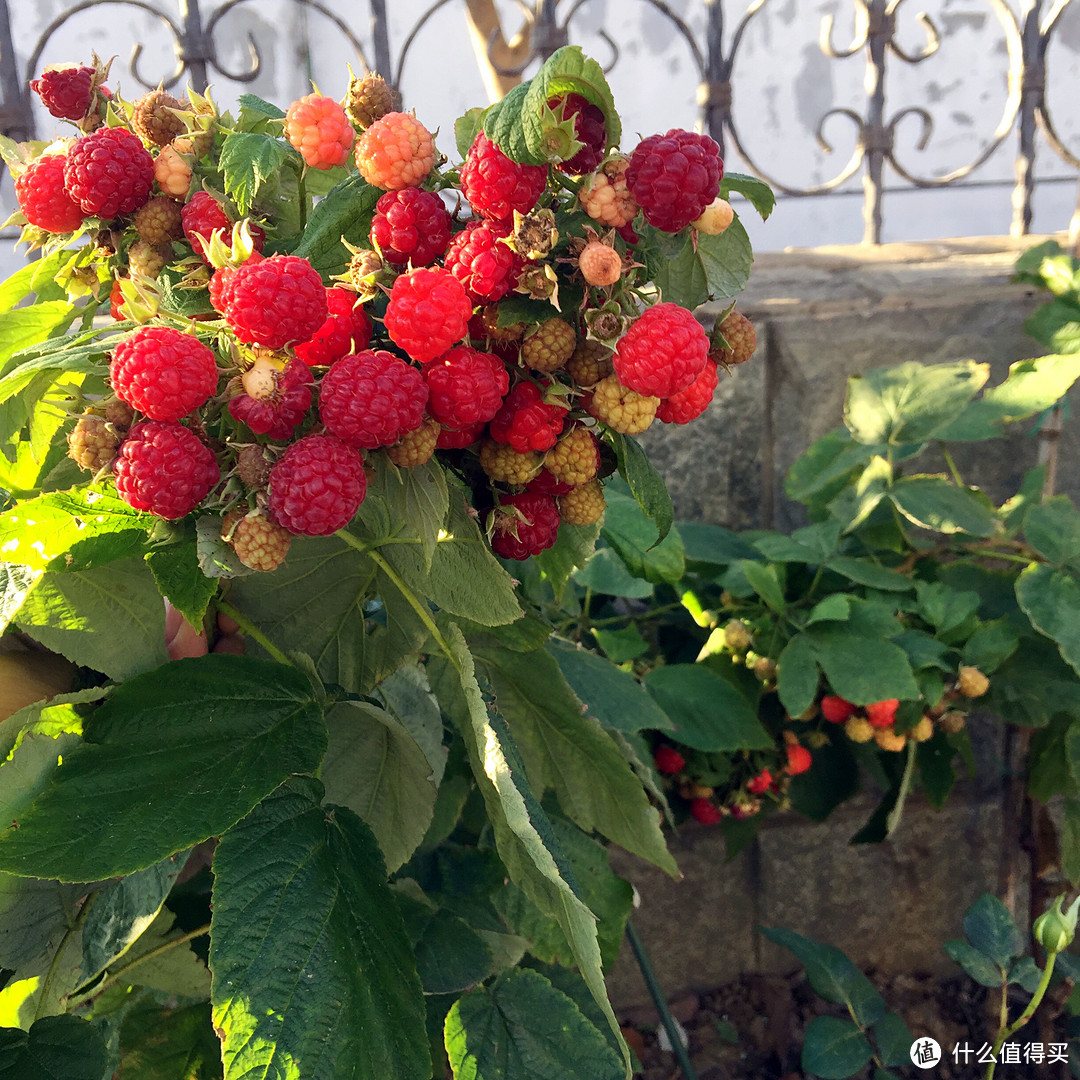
[(1024, 1017), (253, 631), (54, 966)]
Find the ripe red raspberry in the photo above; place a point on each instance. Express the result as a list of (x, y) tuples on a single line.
[(397, 151), (164, 468), (798, 759), (410, 225), (584, 504), (524, 524), (674, 177), (487, 268), (154, 118), (276, 301), (43, 197), (575, 458), (163, 373), (466, 386), (605, 197), (738, 331), (589, 129), (668, 760), (690, 402), (65, 91), (347, 329), (458, 438), (259, 543), (505, 465), (318, 128), (881, 714), (160, 220), (428, 311), (415, 447), (623, 410), (663, 352), (371, 399), (549, 345), (317, 486), (705, 811), (496, 186), (760, 783), (835, 709), (280, 403), (527, 422), (116, 301), (546, 482), (202, 214), (219, 287), (109, 172)]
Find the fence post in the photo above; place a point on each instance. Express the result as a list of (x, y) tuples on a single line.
[(1032, 88), (16, 119)]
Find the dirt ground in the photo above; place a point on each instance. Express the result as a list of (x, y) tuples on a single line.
[(752, 1029)]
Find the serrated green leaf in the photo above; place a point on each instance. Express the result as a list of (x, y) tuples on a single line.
[(977, 964), (24, 327), (1056, 325), (1052, 528), (830, 461), (158, 1043), (171, 758), (726, 260), (502, 125), (466, 127), (645, 483), (618, 646), (1051, 599), (797, 675), (932, 502), (894, 1040), (401, 503), (247, 161), (259, 105), (33, 919), (55, 1048), (173, 969), (181, 580), (15, 582), (574, 547), (765, 581), (990, 928), (312, 966), (990, 646), (633, 536), (834, 1049), (345, 212), (35, 278), (756, 191), (943, 607), (869, 573), (860, 669)]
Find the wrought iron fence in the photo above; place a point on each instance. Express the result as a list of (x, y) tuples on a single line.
[(196, 29)]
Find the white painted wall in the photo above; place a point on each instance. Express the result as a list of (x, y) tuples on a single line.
[(783, 86)]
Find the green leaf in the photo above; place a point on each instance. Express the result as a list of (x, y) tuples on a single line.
[(401, 503), (375, 767), (450, 955), (1051, 600), (853, 507), (932, 502), (765, 581), (797, 675), (910, 402), (344, 213), (15, 582), (826, 466), (27, 326), (868, 573), (607, 575), (1052, 528), (689, 272), (247, 161), (123, 911), (109, 618), (989, 927), (33, 919), (466, 128), (612, 696), (153, 961), (759, 194), (945, 608), (171, 758), (157, 1043), (977, 964), (1056, 325), (618, 646), (502, 125), (645, 483), (1028, 974), (574, 547), (257, 104), (35, 277), (55, 1048), (706, 711), (894, 1039), (834, 1049), (522, 1028), (45, 358), (311, 962), (726, 260), (935, 761), (571, 753), (633, 536), (1070, 839), (832, 975), (860, 669), (181, 581)]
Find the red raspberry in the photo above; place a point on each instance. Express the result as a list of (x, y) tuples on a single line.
[(164, 468), (760, 783), (346, 330), (65, 91), (466, 386), (43, 197), (317, 486), (116, 300), (459, 438), (525, 524), (674, 177), (200, 216), (372, 399), (668, 760), (319, 129), (163, 373), (487, 268), (588, 129), (798, 759), (109, 172), (280, 409), (546, 481), (689, 403), (526, 422), (881, 714), (428, 312), (397, 151), (410, 225), (835, 709), (275, 301), (663, 352), (496, 186), (705, 811)]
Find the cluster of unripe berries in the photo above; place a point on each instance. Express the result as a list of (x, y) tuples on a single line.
[(263, 408)]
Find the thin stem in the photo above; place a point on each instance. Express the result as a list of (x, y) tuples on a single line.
[(656, 992), (54, 966), (893, 819), (249, 628), (1025, 1016), (951, 464), (153, 954)]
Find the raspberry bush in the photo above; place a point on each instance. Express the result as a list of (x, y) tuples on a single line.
[(356, 432)]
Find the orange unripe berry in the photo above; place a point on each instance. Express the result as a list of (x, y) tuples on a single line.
[(319, 130), (599, 264)]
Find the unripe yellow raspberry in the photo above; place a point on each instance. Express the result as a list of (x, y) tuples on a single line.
[(715, 218), (505, 465), (259, 543), (858, 729), (591, 362), (952, 722), (604, 195), (549, 345), (172, 173), (887, 739), (972, 683), (923, 730), (623, 410), (737, 636), (575, 458), (415, 447), (583, 505)]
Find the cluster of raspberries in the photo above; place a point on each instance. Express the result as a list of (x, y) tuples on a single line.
[(264, 409)]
